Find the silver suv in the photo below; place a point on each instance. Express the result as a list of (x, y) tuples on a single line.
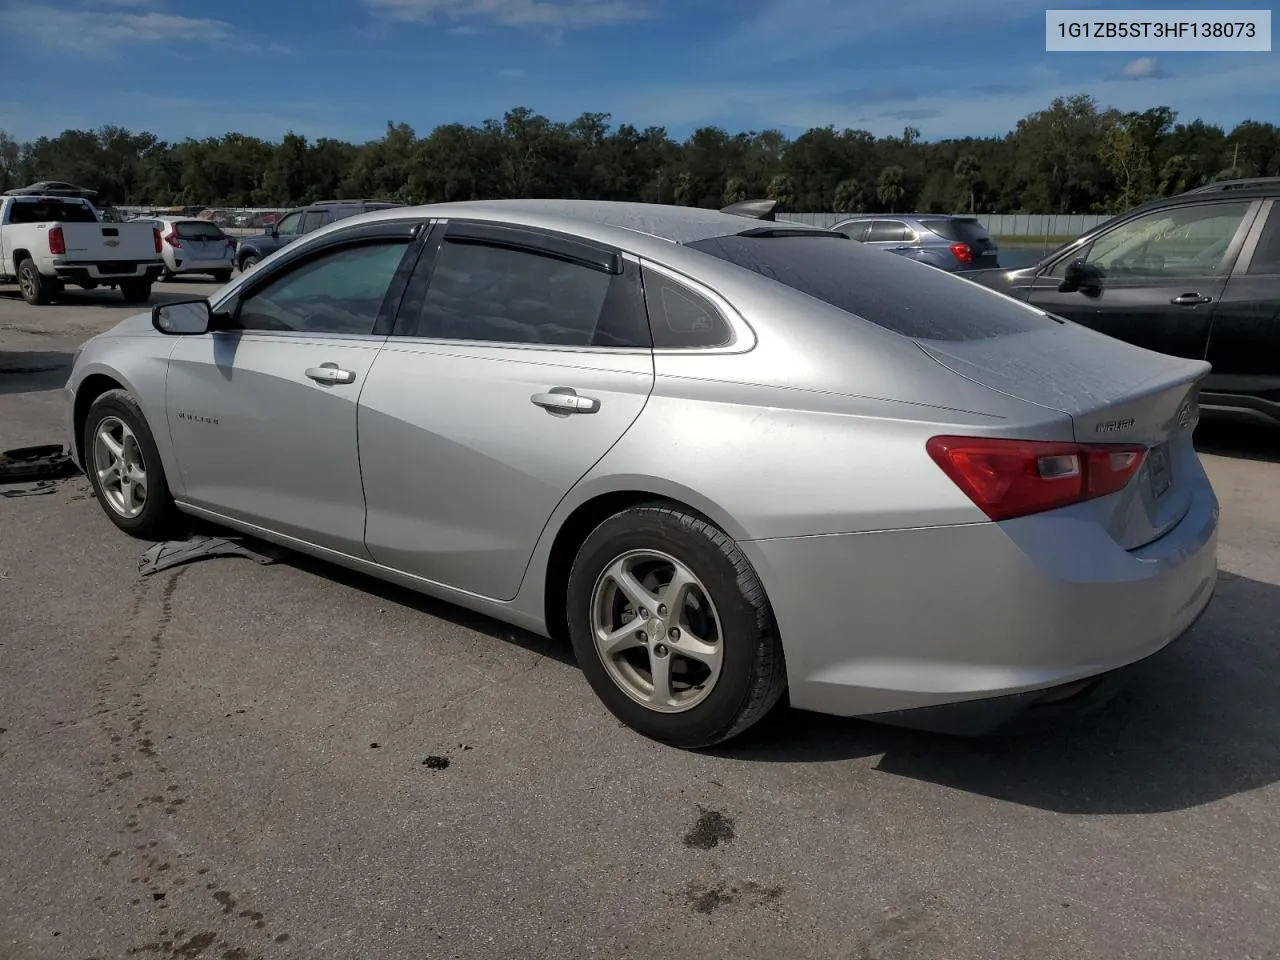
[(947, 242)]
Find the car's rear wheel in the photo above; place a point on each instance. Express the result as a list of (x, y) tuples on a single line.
[(35, 289), (135, 291), (124, 468), (672, 628)]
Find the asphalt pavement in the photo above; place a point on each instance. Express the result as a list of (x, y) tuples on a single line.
[(233, 760)]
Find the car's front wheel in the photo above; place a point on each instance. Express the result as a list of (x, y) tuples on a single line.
[(672, 628), (249, 262), (124, 468)]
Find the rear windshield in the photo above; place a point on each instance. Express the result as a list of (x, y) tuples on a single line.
[(49, 211), (198, 230), (961, 231), (908, 298)]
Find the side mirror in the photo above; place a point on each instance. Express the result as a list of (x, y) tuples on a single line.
[(1081, 276), (184, 318)]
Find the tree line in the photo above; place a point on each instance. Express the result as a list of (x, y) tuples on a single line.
[(1072, 157)]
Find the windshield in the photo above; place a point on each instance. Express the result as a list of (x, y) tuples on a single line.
[(892, 292), (51, 211)]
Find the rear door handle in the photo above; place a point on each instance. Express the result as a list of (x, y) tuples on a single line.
[(331, 373), (564, 401), (1190, 300)]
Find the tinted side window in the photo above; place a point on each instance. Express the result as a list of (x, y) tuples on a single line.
[(289, 225), (1266, 257), (891, 292), (680, 317), (312, 220), (340, 291), (496, 294), (856, 230), (1188, 241), (885, 231)]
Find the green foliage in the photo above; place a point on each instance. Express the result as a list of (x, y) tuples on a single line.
[(1071, 157)]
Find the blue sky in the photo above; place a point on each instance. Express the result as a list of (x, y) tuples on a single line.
[(342, 68)]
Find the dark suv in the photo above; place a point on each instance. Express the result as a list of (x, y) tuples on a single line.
[(1196, 275), (297, 222)]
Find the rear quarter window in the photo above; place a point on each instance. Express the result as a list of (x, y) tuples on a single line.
[(892, 292)]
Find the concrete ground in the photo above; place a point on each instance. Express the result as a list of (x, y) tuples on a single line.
[(229, 760)]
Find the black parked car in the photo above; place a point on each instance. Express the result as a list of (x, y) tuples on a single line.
[(297, 222), (1196, 275)]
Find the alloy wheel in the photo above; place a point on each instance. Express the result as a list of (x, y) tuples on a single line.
[(657, 631), (121, 470)]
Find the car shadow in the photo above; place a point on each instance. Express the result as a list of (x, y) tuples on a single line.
[(30, 371), (1199, 724), (104, 297), (428, 606), (1238, 440)]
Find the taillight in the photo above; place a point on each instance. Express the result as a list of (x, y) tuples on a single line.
[(155, 232), (171, 238), (962, 252), (1014, 478), (57, 242)]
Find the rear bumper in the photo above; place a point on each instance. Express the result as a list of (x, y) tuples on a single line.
[(96, 271), (204, 265), (878, 624), (1035, 709)]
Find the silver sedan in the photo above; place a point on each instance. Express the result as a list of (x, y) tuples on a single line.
[(729, 459)]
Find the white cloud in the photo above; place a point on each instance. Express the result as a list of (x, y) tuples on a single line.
[(96, 31), (799, 29), (1144, 68), (1222, 91), (517, 13)]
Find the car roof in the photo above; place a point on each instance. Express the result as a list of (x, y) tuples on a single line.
[(671, 223)]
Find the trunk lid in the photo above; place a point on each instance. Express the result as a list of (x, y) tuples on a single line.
[(1114, 392), (109, 241)]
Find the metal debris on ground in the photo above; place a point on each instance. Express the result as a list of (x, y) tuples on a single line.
[(39, 488), (171, 553), (48, 462)]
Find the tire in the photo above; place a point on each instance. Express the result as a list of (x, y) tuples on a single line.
[(135, 291), (249, 262), (752, 672), (157, 517), (35, 288), (91, 285), (222, 276)]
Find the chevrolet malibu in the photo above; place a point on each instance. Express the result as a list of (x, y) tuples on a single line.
[(729, 459)]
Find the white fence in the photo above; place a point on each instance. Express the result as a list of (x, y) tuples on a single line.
[(1030, 225)]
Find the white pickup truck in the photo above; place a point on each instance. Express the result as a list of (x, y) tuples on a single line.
[(48, 242)]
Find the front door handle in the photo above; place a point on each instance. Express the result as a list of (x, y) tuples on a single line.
[(331, 373), (1190, 300), (564, 401)]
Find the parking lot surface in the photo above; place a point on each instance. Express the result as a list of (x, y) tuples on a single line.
[(233, 760)]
